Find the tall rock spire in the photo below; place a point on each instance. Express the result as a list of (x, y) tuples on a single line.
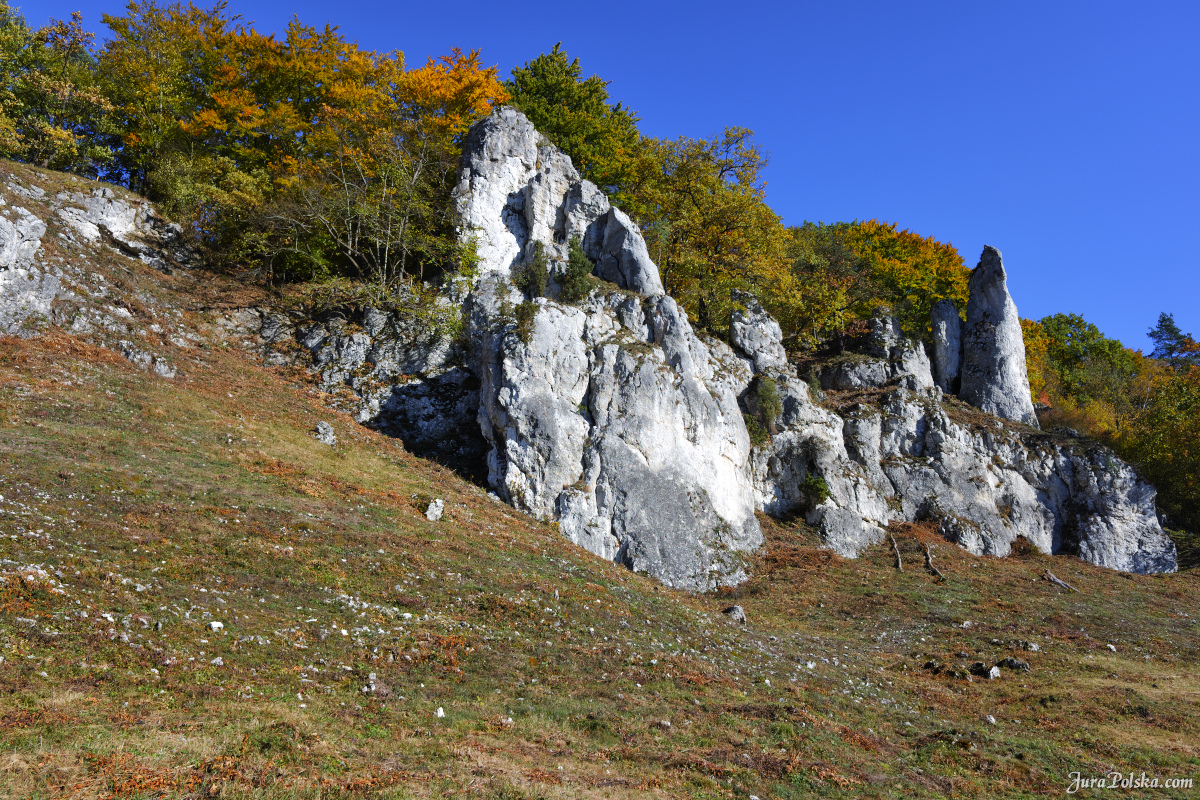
[(993, 371)]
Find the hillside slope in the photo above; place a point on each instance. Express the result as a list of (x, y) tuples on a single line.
[(137, 509)]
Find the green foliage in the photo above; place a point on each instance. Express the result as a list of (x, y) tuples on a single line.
[(526, 314), (575, 113), (770, 406), (52, 112), (814, 489), (1084, 364), (1172, 345), (577, 281), (532, 277), (758, 434), (845, 270)]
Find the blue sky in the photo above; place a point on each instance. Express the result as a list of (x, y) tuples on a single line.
[(1067, 134)]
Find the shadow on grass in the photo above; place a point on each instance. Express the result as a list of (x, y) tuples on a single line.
[(1188, 545)]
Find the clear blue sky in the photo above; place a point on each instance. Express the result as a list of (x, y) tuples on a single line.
[(1067, 134)]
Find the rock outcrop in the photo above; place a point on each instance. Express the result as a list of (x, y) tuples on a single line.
[(615, 418), (26, 291), (515, 189), (993, 369), (947, 345), (756, 334), (38, 291)]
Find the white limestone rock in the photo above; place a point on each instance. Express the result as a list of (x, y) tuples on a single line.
[(947, 345), (624, 259), (27, 288), (131, 227), (632, 443), (756, 334), (993, 370), (515, 190)]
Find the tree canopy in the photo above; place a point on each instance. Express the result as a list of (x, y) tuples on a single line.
[(575, 114)]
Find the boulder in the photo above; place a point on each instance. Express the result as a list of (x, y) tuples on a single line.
[(993, 370), (325, 434), (947, 345)]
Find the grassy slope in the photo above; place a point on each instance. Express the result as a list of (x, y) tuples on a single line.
[(555, 669)]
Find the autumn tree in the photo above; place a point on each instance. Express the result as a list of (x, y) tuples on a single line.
[(702, 206), (376, 184), (51, 111)]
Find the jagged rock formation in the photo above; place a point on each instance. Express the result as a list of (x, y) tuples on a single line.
[(752, 331), (993, 368), (947, 345), (616, 419), (516, 189), (613, 417)]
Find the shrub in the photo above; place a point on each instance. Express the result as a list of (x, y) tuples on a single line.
[(770, 405), (758, 434), (526, 313), (814, 489), (577, 280), (531, 279)]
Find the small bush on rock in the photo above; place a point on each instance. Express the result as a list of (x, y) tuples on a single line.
[(577, 280), (770, 405), (532, 278), (526, 313), (815, 490)]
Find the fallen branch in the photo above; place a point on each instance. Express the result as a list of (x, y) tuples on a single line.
[(899, 563), (929, 563), (1057, 581)]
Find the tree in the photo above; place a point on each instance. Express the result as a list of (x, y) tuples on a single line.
[(156, 70), (1163, 438), (1085, 364), (1173, 345), (375, 185), (702, 206), (51, 111), (576, 115), (848, 269)]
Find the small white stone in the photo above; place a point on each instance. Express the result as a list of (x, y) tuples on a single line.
[(439, 713), (216, 626)]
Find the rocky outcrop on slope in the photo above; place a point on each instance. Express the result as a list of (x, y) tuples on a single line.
[(49, 242), (613, 417), (993, 366), (616, 419)]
